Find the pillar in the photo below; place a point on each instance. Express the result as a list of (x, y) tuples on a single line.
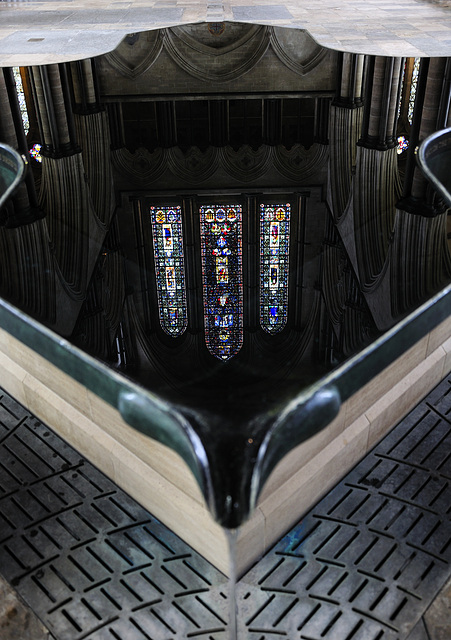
[(23, 208), (431, 112)]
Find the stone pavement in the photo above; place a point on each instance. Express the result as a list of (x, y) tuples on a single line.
[(48, 31), (17, 621)]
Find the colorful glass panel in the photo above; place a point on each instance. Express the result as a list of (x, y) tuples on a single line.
[(413, 89), (21, 99), (35, 152), (403, 144), (221, 243), (403, 77), (274, 265), (169, 268)]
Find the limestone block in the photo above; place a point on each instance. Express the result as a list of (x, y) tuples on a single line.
[(50, 376), (447, 363), (12, 380), (300, 455), (161, 458), (404, 396), (251, 543), (439, 335), (383, 382)]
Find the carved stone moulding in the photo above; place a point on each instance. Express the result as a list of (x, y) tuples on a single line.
[(136, 53), (207, 56), (141, 167), (246, 164), (296, 49), (298, 163), (194, 166)]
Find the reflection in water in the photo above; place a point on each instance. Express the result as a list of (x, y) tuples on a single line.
[(167, 233), (274, 266), (224, 217), (222, 278)]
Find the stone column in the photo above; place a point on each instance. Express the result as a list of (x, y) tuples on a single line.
[(431, 112), (84, 86), (421, 263), (117, 136), (23, 208), (193, 267), (383, 93), (376, 174), (251, 263), (55, 111), (93, 131), (344, 130), (322, 116), (349, 91), (444, 113)]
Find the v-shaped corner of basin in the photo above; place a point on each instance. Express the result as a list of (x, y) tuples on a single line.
[(434, 158), (232, 458)]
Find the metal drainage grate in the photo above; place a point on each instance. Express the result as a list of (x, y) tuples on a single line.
[(364, 564), (88, 559), (368, 560)]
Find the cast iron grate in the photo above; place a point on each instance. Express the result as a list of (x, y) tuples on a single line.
[(88, 559), (368, 560), (364, 564)]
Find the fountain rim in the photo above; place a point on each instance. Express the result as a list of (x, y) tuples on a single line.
[(165, 422)]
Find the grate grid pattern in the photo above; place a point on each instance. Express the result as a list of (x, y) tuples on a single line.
[(87, 558), (363, 564), (366, 562)]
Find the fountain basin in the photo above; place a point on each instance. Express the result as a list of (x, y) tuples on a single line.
[(77, 400)]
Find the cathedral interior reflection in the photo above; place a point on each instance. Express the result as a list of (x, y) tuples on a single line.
[(224, 214)]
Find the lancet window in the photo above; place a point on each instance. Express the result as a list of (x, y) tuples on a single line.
[(274, 265), (221, 250), (21, 99), (35, 151), (413, 89), (169, 268), (222, 271)]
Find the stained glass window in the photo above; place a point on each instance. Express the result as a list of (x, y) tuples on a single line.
[(221, 244), (403, 77), (21, 98), (274, 265), (413, 89), (169, 268), (403, 144), (35, 152)]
